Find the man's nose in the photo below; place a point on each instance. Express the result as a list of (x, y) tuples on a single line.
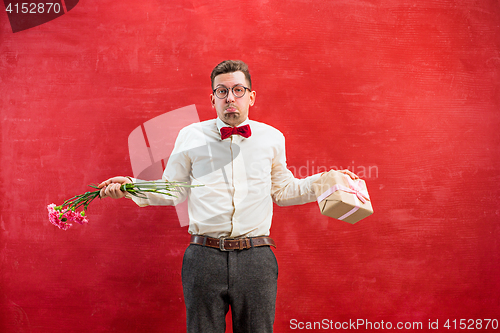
[(230, 96)]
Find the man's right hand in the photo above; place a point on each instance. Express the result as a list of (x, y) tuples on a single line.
[(111, 187)]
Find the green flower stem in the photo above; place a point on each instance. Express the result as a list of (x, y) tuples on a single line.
[(161, 187), (135, 189)]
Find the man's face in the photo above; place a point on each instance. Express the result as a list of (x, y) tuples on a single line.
[(232, 110)]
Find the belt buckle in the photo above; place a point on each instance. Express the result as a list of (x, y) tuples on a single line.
[(221, 245)]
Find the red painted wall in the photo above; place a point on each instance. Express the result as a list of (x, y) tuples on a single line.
[(406, 93)]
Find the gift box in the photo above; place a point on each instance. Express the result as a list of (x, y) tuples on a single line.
[(341, 197)]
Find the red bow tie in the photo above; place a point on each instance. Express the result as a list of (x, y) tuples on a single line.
[(244, 131)]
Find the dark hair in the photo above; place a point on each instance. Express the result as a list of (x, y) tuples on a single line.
[(231, 66)]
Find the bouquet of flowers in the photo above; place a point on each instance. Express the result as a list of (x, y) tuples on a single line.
[(62, 216)]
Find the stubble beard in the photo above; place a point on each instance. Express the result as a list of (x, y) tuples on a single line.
[(232, 118)]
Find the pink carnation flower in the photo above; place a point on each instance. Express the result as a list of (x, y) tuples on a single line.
[(63, 218), (57, 218), (76, 217)]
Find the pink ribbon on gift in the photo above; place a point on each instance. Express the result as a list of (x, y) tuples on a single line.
[(353, 188)]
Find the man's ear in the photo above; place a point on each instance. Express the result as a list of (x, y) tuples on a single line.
[(252, 97), (212, 100)]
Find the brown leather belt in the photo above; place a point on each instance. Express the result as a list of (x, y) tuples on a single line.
[(224, 244)]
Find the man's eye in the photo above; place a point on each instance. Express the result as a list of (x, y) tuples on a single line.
[(238, 90), (221, 91)]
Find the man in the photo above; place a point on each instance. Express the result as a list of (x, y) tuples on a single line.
[(242, 166)]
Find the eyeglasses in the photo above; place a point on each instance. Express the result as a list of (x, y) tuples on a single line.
[(238, 91)]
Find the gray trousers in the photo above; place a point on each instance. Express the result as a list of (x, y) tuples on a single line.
[(213, 280)]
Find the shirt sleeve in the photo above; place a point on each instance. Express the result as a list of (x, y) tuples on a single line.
[(178, 169), (287, 190)]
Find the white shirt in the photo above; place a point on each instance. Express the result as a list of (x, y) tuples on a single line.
[(241, 177)]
